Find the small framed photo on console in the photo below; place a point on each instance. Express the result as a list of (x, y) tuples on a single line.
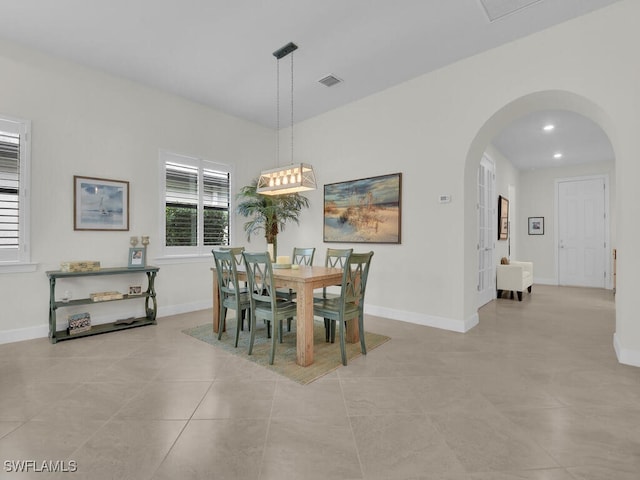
[(136, 257)]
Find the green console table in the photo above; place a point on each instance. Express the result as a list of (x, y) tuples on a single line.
[(151, 306)]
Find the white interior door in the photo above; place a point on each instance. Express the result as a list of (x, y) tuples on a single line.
[(582, 233), (486, 231)]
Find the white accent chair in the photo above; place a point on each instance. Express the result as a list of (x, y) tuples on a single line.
[(514, 277)]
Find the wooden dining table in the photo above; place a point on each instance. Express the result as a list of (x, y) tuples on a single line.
[(304, 280)]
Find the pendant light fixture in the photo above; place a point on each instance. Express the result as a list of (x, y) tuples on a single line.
[(292, 178)]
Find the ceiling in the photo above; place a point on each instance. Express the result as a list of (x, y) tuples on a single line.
[(528, 146), (219, 52)]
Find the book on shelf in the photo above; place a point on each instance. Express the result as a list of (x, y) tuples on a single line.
[(104, 296), (79, 322), (81, 266), (75, 331)]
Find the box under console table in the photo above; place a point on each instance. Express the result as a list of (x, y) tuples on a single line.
[(150, 304)]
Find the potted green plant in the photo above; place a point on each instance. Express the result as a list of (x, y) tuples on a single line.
[(268, 213)]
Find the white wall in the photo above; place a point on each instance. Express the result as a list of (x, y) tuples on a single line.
[(91, 124), (506, 175), (433, 129), (538, 200)]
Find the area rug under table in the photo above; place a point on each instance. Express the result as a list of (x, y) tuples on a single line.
[(326, 356)]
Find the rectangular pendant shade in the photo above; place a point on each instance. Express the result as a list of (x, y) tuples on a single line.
[(293, 178)]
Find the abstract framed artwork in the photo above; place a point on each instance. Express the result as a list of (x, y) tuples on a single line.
[(100, 204), (368, 210), (503, 218), (536, 225)]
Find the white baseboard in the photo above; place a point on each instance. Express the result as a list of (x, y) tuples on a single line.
[(454, 325), (554, 282), (184, 308), (42, 331), (626, 356), (20, 334), (444, 323)]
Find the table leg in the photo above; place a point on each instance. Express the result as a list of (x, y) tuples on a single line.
[(304, 326), (352, 334), (216, 304)]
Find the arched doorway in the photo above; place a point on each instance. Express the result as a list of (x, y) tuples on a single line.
[(545, 100)]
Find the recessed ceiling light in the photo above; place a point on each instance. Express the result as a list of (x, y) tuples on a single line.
[(548, 128), (557, 155)]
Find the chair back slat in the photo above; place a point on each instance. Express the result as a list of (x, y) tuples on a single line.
[(303, 256), (355, 276), (236, 252), (226, 271), (336, 258), (260, 276)]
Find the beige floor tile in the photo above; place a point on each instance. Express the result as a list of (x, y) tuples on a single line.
[(90, 401), (319, 399), (544, 474), (21, 370), (380, 396), (223, 448), (604, 437), (533, 392), (132, 369), (166, 401), (604, 473), (23, 401), (237, 367), (237, 398), (402, 446), (6, 427), (53, 439), (449, 395), (394, 360), (192, 368), (72, 369), (310, 448), (126, 449), (487, 441)]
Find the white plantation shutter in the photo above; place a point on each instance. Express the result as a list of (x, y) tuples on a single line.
[(197, 202), (14, 158), (9, 190), (181, 205)]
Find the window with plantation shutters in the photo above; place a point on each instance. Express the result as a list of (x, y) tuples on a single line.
[(14, 167), (197, 201)]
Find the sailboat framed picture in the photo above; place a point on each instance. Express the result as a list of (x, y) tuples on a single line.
[(100, 204)]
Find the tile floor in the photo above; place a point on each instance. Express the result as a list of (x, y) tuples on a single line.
[(533, 392)]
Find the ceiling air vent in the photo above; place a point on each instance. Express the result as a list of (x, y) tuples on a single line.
[(496, 9), (330, 80)]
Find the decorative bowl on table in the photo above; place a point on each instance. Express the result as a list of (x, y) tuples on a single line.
[(281, 265)]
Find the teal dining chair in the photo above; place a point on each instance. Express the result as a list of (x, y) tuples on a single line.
[(237, 253), (230, 293), (335, 258), (263, 300), (303, 256), (300, 256), (349, 305)]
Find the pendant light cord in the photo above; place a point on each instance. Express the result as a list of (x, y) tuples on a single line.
[(291, 108), (277, 112)]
